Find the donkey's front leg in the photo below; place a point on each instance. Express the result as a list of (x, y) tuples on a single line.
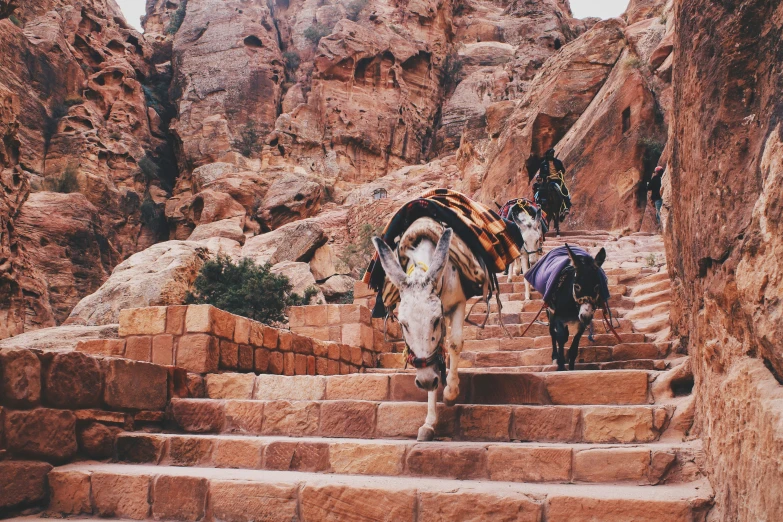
[(451, 392), (427, 432), (574, 350), (513, 270), (525, 269)]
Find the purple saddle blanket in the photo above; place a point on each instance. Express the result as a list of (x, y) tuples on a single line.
[(543, 276)]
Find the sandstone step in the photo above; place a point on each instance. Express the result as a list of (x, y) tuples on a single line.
[(516, 328), (182, 493), (597, 387), (643, 464), (648, 286), (587, 354), (545, 341), (378, 419), (468, 366), (661, 297)]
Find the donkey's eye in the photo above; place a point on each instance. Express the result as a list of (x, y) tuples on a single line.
[(577, 287)]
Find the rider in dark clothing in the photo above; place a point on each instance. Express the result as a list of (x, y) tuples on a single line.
[(654, 188), (552, 170)]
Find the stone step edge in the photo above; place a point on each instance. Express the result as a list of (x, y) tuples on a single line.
[(401, 420), (597, 387), (641, 464), (190, 493)]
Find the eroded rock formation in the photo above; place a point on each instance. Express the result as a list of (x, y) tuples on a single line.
[(725, 242)]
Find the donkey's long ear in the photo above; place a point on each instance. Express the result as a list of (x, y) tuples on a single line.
[(600, 257), (389, 261), (574, 259), (440, 256)]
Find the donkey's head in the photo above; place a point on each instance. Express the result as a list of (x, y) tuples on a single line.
[(420, 311), (530, 227), (587, 283)]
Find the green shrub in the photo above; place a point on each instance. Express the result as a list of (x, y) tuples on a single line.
[(177, 17), (153, 216), (452, 71), (244, 289), (292, 61), (357, 255), (315, 32), (149, 168), (72, 100), (16, 21), (249, 140), (635, 62), (354, 8), (65, 183)]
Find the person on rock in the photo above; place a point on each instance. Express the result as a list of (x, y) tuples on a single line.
[(654, 187), (552, 171)]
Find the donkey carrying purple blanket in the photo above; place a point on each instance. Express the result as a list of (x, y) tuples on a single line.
[(543, 275)]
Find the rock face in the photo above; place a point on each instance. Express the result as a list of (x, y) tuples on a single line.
[(160, 275), (724, 240), (75, 118)]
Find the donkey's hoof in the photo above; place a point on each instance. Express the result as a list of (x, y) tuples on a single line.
[(554, 362), (450, 395), (426, 434)]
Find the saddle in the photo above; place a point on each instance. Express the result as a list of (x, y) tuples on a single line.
[(490, 240)]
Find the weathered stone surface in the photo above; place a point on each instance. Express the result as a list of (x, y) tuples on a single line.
[(237, 453), (348, 419), (41, 433), (294, 242), (367, 459), (122, 496), (237, 501), (475, 507), (74, 380), (140, 449), (302, 388), (616, 424), (557, 97), (198, 416), (325, 263), (230, 386), (244, 416), (300, 277), (337, 287), (70, 492), (725, 265), (581, 509), (179, 498), (296, 456), (451, 461), (97, 440), (534, 465), (189, 451), (157, 276), (62, 338), (291, 418), (612, 465), (21, 378), (229, 228), (365, 387), (619, 387), (135, 385), (198, 353), (290, 198), (343, 503), (22, 483), (149, 320), (542, 424)]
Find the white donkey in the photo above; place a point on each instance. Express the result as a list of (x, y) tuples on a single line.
[(532, 233), (431, 292)]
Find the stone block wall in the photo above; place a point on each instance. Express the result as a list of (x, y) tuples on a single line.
[(350, 324), (204, 339), (57, 406)]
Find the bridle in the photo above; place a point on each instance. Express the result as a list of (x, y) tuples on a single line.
[(586, 299), (437, 358)]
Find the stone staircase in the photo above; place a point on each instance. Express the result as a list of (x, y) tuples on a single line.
[(523, 443)]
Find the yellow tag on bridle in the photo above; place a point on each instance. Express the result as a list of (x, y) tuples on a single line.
[(419, 264)]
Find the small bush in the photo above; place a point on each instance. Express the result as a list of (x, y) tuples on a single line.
[(177, 17), (315, 32), (652, 260), (249, 140), (149, 168), (16, 21), (354, 8), (154, 218), (452, 71), (635, 62), (306, 299), (244, 289), (357, 255), (292, 61), (72, 100), (346, 299), (65, 183)]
